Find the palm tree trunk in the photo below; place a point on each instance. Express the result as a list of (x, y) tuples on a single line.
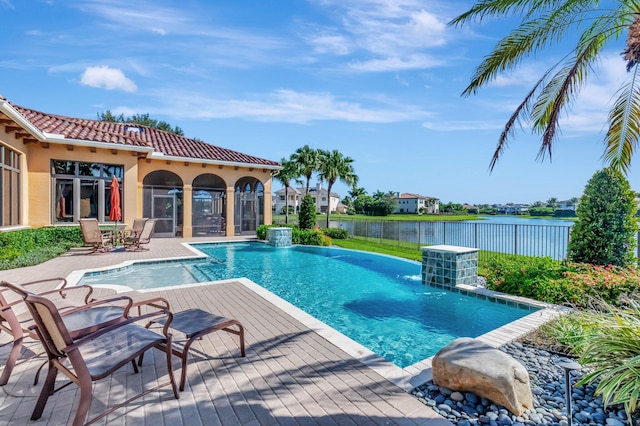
[(329, 202), (632, 51), (286, 205)]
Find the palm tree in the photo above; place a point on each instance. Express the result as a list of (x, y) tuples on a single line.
[(289, 171), (306, 159), (544, 24), (334, 166), (553, 203)]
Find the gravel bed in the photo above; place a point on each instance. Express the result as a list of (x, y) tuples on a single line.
[(547, 387)]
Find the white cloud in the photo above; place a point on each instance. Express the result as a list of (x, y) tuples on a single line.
[(412, 62), (286, 106), (394, 34), (107, 78)]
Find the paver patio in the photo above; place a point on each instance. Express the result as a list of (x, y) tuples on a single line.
[(291, 375)]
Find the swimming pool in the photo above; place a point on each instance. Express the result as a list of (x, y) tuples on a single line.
[(378, 301)]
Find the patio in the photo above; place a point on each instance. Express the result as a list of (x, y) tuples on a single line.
[(291, 374)]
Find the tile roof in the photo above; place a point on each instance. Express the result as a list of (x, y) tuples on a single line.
[(410, 195), (119, 133)]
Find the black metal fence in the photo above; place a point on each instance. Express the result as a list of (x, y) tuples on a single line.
[(489, 238), (492, 239)]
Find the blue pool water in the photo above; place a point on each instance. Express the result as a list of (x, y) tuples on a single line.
[(378, 301)]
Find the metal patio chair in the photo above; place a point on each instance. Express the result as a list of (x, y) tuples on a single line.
[(135, 242), (92, 236), (96, 354), (16, 320)]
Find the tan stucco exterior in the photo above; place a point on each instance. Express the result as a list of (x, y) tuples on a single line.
[(37, 192)]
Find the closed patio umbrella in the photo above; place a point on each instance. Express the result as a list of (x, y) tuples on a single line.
[(116, 211)]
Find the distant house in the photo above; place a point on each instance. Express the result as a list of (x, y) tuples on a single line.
[(567, 205), (416, 203), (512, 208), (321, 199)]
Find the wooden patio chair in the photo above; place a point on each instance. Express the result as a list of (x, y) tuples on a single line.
[(96, 354), (16, 320), (135, 242), (92, 236)]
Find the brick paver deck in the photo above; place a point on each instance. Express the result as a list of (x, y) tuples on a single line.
[(291, 375)]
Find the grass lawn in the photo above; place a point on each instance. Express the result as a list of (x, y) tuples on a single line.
[(404, 252), (322, 218)]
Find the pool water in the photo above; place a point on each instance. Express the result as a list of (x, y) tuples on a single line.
[(378, 301)]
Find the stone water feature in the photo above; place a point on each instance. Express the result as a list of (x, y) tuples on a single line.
[(446, 266), (279, 237)]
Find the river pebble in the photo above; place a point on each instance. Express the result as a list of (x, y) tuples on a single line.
[(547, 387)]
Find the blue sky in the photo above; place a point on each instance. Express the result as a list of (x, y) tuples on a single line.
[(379, 80)]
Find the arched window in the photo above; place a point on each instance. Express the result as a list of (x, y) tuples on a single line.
[(248, 205)]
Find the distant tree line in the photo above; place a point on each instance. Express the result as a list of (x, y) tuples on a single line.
[(141, 119)]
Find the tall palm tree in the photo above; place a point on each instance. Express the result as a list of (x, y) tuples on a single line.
[(544, 24), (289, 172), (333, 167), (306, 159)]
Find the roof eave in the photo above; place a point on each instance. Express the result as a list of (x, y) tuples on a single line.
[(60, 139), (160, 156), (14, 115)]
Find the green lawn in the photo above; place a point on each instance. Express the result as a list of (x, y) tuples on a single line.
[(322, 218)]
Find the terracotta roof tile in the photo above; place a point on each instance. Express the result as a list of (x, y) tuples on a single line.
[(119, 133)]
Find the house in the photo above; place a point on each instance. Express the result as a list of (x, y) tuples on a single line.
[(57, 169), (511, 208), (416, 203), (567, 205), (321, 199)]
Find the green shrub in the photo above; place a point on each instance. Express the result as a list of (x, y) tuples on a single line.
[(307, 215), (336, 233), (604, 232), (558, 282), (262, 231), (520, 275), (27, 247), (310, 237)]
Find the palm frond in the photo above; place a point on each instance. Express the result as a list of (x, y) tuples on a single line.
[(528, 38), (488, 8), (624, 125)]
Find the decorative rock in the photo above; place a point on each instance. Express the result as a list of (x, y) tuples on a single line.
[(470, 365), (457, 396), (614, 422)]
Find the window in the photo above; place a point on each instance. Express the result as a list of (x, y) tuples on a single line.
[(324, 198), (9, 187), (282, 198), (83, 189)]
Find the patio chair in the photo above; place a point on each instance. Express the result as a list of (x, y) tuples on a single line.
[(95, 355), (136, 228), (92, 236), (16, 320), (135, 242)]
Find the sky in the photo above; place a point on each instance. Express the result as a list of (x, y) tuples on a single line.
[(378, 80)]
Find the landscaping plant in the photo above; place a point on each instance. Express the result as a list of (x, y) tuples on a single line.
[(307, 214), (604, 232), (612, 354)]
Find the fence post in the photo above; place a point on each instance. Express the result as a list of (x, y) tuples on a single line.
[(475, 235), (515, 239), (444, 232), (381, 230)]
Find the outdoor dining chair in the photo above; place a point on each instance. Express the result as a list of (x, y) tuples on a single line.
[(93, 237), (16, 320), (96, 354), (135, 242)]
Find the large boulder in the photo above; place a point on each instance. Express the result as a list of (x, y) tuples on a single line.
[(472, 366)]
